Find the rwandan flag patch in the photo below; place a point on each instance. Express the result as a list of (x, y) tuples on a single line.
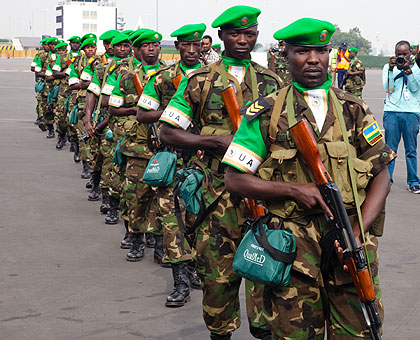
[(372, 133)]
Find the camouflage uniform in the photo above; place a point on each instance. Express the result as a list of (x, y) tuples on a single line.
[(299, 311), (156, 96), (49, 114), (281, 67), (355, 83), (37, 64), (218, 237), (61, 108)]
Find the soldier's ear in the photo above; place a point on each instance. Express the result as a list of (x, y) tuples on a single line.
[(220, 34)]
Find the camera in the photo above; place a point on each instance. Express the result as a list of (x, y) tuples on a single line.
[(400, 62), (276, 49)]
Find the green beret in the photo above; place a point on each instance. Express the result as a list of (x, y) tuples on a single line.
[(147, 37), (354, 49), (306, 32), (128, 32), (61, 46), (237, 17), (88, 35), (88, 42), (108, 36), (189, 32), (74, 38), (121, 37), (43, 41), (52, 40), (133, 36), (413, 47), (216, 46)]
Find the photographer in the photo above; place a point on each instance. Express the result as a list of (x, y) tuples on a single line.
[(208, 55), (401, 81)]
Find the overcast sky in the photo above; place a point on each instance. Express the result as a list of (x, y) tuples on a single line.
[(375, 18)]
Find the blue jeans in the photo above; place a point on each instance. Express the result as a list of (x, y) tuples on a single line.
[(405, 124), (340, 76)]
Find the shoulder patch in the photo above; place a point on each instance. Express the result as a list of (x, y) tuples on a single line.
[(254, 109), (73, 59), (90, 60), (112, 68), (372, 133)]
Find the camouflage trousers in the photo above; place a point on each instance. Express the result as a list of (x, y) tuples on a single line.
[(46, 110), (177, 246), (307, 308), (94, 145), (84, 149), (217, 240), (105, 150), (140, 198), (356, 91), (60, 114), (38, 97)]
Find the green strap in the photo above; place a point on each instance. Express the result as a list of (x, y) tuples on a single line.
[(291, 115), (277, 109)]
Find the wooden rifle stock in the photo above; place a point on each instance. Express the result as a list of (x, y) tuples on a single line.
[(177, 80), (104, 59), (138, 84), (232, 107)]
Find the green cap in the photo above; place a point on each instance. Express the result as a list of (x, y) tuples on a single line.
[(128, 32), (108, 36), (189, 32), (133, 36), (61, 46), (43, 41), (216, 46), (413, 47), (237, 17), (74, 38), (354, 49), (306, 32), (88, 42), (147, 37), (88, 35), (121, 37), (52, 40)]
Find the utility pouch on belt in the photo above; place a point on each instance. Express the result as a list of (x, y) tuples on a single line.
[(265, 255), (40, 86), (73, 119), (160, 169)]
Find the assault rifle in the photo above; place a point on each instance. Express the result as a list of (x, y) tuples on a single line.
[(354, 258)]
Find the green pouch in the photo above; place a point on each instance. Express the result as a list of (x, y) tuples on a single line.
[(73, 115), (54, 92), (118, 157), (100, 117), (40, 86), (160, 169), (109, 135), (50, 98), (265, 256), (188, 187), (67, 104)]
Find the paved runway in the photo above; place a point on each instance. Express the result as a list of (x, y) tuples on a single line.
[(64, 277)]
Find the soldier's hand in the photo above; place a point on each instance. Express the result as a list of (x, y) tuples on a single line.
[(308, 196), (271, 51), (392, 63), (89, 128)]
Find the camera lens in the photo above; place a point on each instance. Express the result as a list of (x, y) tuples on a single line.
[(400, 62)]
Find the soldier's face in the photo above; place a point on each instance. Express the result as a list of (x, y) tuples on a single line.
[(352, 54), (75, 45), (148, 53), (90, 50), (109, 49), (46, 47), (52, 47), (122, 50), (239, 43), (189, 52), (61, 51), (308, 65)]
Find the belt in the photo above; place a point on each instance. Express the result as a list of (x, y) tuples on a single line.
[(214, 164)]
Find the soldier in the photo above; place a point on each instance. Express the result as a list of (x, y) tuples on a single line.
[(278, 64), (96, 130), (155, 97), (36, 66), (59, 73), (52, 87), (355, 78), (284, 182), (75, 43), (79, 82), (133, 144), (199, 99)]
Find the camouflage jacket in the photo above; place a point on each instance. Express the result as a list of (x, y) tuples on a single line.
[(41, 64), (61, 65), (355, 81), (277, 159)]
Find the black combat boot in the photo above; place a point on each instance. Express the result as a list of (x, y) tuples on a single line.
[(42, 125), (126, 241), (214, 336), (76, 156), (61, 140), (112, 216), (158, 253), (96, 191), (51, 133), (192, 275), (150, 240), (89, 184), (181, 293), (72, 144), (105, 201), (137, 248), (85, 170)]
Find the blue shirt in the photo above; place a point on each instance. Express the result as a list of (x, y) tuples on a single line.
[(403, 94)]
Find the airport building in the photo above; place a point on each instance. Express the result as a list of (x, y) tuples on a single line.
[(78, 17)]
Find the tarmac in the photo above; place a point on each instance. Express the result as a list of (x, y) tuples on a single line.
[(64, 277)]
